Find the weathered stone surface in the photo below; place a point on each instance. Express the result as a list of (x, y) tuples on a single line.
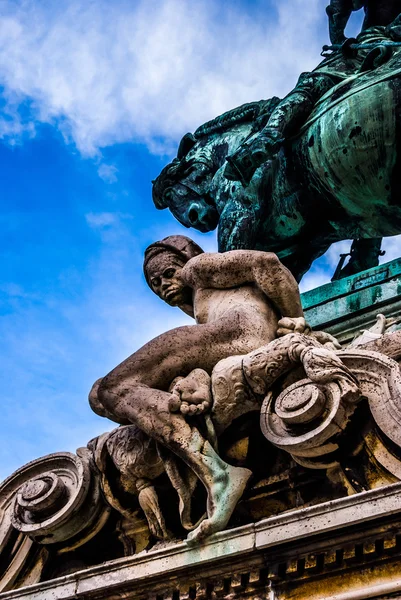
[(237, 299), (193, 397), (257, 558), (54, 500)]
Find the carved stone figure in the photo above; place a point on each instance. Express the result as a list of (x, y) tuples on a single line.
[(330, 410), (237, 299), (334, 178)]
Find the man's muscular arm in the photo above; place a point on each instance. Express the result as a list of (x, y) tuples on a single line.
[(240, 267)]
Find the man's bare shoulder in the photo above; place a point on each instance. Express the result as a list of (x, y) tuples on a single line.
[(198, 267), (227, 269)]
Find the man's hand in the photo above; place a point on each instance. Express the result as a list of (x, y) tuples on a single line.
[(288, 325)]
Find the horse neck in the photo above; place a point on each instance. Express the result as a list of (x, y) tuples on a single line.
[(225, 143)]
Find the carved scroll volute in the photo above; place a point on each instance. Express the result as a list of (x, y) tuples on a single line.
[(380, 380), (55, 499), (305, 419)]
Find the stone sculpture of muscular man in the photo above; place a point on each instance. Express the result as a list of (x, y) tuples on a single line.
[(237, 299)]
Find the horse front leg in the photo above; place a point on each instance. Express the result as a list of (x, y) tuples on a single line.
[(239, 223)]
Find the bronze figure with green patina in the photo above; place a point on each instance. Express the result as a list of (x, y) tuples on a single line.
[(294, 109), (377, 12), (332, 172)]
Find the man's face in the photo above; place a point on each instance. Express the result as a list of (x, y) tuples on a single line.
[(164, 277)]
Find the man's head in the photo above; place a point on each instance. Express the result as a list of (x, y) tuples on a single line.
[(162, 266)]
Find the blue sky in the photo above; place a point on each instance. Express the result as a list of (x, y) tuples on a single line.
[(95, 96)]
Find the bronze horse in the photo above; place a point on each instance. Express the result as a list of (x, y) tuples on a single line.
[(338, 178)]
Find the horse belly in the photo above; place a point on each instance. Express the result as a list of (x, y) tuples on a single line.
[(352, 152)]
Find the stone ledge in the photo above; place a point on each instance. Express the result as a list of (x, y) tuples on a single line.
[(145, 569)]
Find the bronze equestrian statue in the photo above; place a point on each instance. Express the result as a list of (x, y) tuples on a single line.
[(319, 166)]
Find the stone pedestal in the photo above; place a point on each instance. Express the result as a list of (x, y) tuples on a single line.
[(349, 305)]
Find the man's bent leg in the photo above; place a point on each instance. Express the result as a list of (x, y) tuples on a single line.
[(149, 409)]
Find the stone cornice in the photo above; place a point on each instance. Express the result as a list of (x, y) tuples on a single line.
[(166, 566)]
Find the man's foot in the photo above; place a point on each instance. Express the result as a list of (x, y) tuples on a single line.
[(192, 395), (223, 498), (149, 503)]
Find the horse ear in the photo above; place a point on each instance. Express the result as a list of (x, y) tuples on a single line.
[(186, 144)]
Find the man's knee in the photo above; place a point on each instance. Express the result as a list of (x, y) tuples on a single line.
[(94, 401), (103, 399), (108, 393)]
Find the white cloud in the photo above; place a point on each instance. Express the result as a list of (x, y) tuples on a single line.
[(108, 173), (149, 71), (100, 220)]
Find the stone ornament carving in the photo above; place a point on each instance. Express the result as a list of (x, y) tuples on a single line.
[(53, 500), (135, 456), (379, 378), (320, 409), (305, 417)]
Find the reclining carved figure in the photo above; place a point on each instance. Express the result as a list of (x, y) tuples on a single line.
[(240, 300)]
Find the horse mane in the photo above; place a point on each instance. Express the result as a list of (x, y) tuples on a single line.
[(242, 114)]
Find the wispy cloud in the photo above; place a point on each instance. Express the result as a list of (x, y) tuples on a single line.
[(100, 220), (108, 173), (148, 71)]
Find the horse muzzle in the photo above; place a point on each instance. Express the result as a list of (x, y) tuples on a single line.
[(201, 217)]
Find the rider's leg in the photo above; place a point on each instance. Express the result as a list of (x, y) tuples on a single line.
[(285, 121), (295, 108), (339, 12)]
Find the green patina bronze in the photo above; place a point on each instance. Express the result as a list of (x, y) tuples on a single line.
[(319, 166), (351, 305)]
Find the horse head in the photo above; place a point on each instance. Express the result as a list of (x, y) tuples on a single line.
[(185, 185)]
